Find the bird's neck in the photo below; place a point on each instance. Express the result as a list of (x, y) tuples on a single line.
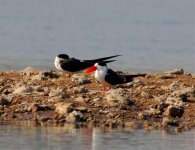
[(57, 63), (101, 73)]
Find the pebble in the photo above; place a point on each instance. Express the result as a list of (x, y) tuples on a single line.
[(176, 101), (23, 90), (79, 90), (130, 124), (46, 74), (188, 91), (151, 111), (169, 121), (43, 118), (145, 94), (60, 93), (173, 111), (80, 99), (118, 96), (174, 86), (7, 91), (34, 107), (64, 108), (165, 76), (4, 101), (71, 118), (29, 69), (80, 79), (81, 109), (175, 71), (39, 88)]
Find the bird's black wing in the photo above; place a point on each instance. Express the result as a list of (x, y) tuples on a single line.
[(113, 78), (72, 65)]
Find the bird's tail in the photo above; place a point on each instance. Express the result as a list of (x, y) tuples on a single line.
[(103, 59)]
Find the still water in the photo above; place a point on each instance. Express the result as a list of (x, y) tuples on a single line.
[(70, 138), (152, 35)]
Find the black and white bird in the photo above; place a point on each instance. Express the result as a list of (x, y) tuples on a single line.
[(108, 77), (73, 65)]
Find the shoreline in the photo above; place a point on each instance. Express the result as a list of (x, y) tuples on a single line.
[(154, 102)]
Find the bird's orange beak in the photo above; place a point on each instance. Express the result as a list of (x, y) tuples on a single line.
[(91, 69)]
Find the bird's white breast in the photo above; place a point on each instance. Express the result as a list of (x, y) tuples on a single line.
[(100, 76), (57, 63)]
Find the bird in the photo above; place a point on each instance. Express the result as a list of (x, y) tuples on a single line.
[(73, 65), (107, 77)]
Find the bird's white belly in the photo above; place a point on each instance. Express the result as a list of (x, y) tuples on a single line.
[(100, 76)]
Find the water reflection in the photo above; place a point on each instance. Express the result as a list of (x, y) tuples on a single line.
[(70, 137)]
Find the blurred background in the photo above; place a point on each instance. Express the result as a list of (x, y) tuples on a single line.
[(152, 35)]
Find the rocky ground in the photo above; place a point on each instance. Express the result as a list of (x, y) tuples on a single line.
[(156, 101)]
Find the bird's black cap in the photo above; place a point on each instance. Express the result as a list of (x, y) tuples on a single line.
[(64, 56)]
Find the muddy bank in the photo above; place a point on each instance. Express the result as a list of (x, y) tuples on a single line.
[(156, 101)]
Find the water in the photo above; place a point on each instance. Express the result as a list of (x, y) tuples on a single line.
[(60, 138), (151, 35)]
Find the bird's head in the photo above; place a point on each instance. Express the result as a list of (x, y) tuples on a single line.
[(63, 56)]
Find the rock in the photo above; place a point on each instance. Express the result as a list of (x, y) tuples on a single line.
[(175, 71), (29, 69), (48, 74), (4, 101), (23, 90), (130, 124), (43, 118), (151, 112), (176, 101), (169, 121), (43, 75), (96, 100), (118, 96), (34, 107), (137, 82), (174, 86), (81, 109), (145, 94), (80, 99), (80, 79), (74, 117), (185, 92), (159, 98), (64, 108), (79, 90), (130, 84), (7, 91), (71, 118), (39, 88), (173, 111), (60, 93), (165, 76), (36, 77)]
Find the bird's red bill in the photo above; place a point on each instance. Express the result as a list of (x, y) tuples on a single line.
[(91, 69)]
